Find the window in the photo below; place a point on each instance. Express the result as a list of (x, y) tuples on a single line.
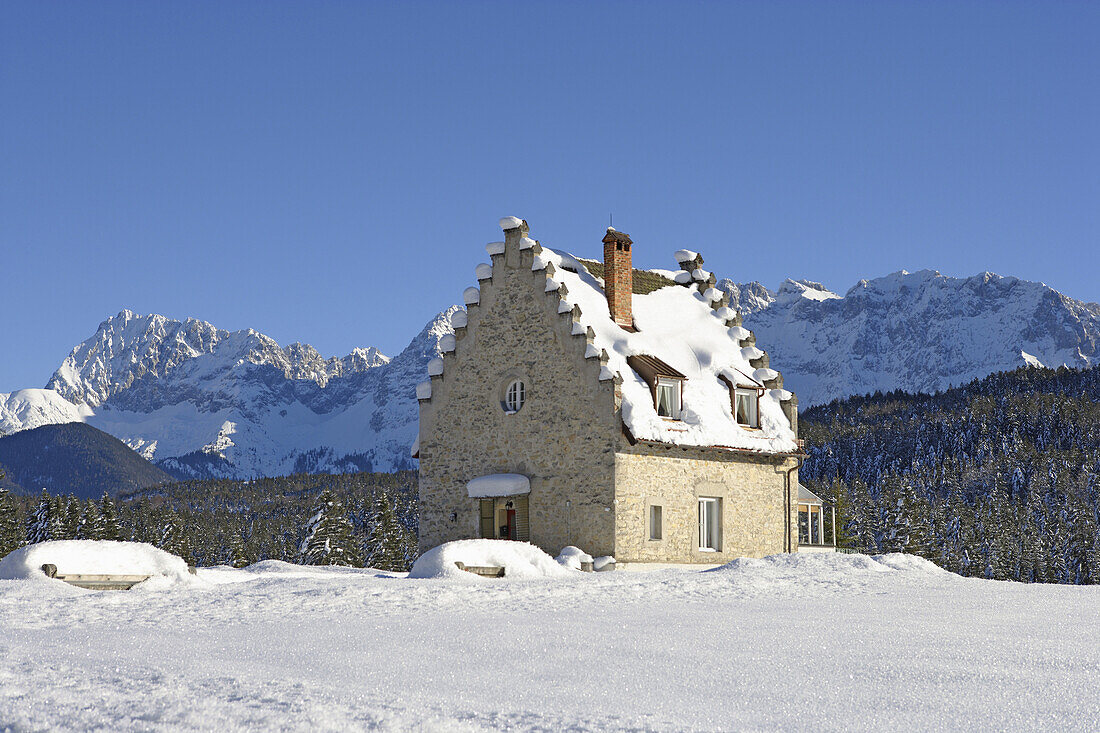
[(514, 396), (744, 401), (668, 398), (654, 522), (710, 522), (810, 525)]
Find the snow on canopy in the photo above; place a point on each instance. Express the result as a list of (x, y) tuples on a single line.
[(519, 560), (678, 326), (93, 557), (498, 484)]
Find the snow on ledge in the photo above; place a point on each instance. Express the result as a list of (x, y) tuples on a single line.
[(498, 484), (495, 248), (471, 296), (510, 222), (435, 367), (448, 343), (424, 390), (484, 271), (459, 319), (685, 255)]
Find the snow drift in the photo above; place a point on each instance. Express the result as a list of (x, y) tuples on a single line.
[(520, 560), (94, 557)]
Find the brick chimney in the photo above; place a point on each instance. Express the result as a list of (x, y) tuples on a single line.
[(618, 277)]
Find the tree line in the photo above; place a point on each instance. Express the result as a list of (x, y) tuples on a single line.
[(997, 479), (362, 519)]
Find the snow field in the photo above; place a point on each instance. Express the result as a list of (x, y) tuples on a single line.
[(820, 642)]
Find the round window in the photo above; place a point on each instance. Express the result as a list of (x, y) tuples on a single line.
[(515, 394)]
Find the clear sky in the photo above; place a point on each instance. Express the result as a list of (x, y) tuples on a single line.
[(329, 172)]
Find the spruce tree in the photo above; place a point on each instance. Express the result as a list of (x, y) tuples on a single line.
[(389, 545), (173, 537), (91, 525), (237, 556), (40, 524), (111, 528), (11, 530), (329, 536), (72, 517)]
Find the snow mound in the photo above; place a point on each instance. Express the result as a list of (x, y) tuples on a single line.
[(835, 567), (94, 557), (572, 557), (520, 560)]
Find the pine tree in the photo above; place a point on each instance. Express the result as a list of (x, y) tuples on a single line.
[(111, 529), (173, 537), (11, 530), (390, 544), (41, 523), (91, 525), (57, 519), (329, 536), (237, 555), (71, 517)]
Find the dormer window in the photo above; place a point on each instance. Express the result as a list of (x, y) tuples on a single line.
[(745, 408), (668, 397), (665, 383)]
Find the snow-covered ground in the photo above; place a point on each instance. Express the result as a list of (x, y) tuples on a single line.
[(819, 642)]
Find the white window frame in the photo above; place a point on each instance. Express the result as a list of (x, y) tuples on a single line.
[(754, 401), (515, 396), (677, 396), (656, 528), (815, 524), (710, 524)]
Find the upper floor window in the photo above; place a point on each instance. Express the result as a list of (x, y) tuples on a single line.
[(665, 382), (745, 408), (668, 398), (515, 394)]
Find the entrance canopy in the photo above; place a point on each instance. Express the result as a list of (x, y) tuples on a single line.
[(498, 484)]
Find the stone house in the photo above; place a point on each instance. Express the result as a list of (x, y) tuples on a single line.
[(627, 412)]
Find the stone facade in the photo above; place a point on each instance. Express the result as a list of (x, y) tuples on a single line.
[(751, 491), (563, 439), (590, 486)]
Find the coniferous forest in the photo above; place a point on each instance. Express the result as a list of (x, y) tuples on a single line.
[(359, 519), (996, 479)]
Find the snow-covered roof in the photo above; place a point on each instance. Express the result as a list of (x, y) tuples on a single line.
[(677, 325), (690, 331)]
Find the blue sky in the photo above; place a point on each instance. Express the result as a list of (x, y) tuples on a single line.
[(329, 172)]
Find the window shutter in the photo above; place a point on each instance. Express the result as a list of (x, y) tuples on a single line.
[(487, 519), (523, 521)]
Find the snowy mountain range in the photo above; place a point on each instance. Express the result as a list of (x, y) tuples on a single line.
[(201, 401), (919, 331)]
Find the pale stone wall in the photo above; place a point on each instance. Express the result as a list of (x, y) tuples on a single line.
[(751, 489), (563, 439)]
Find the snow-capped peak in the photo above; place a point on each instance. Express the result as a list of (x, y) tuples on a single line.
[(128, 347), (808, 289)]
